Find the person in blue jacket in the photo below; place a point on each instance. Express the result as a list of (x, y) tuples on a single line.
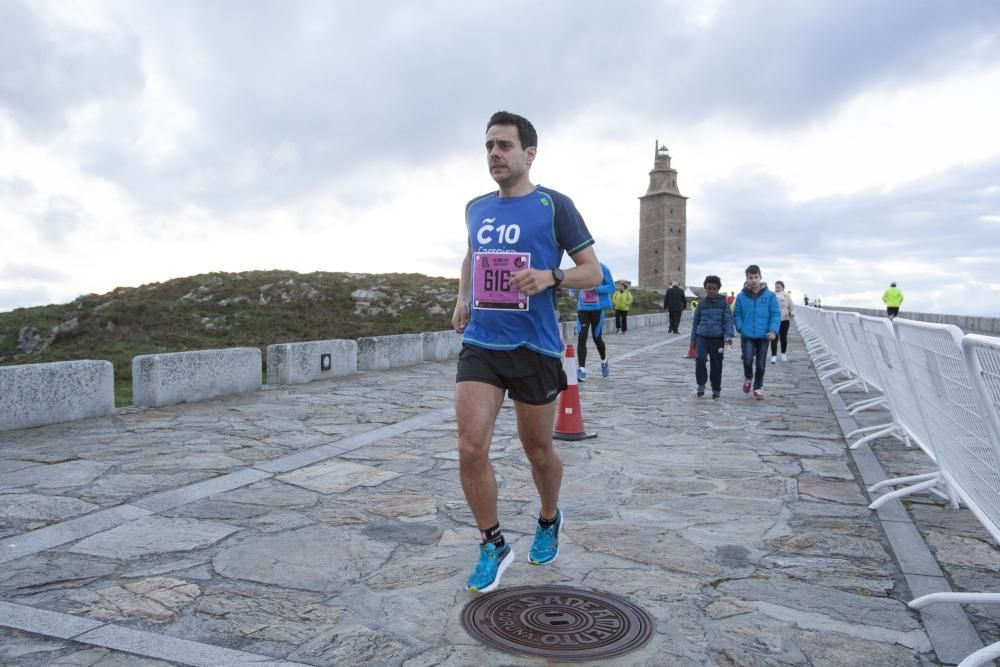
[(711, 330), (758, 318), (590, 307)]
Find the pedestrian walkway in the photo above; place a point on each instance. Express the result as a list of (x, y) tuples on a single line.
[(324, 524)]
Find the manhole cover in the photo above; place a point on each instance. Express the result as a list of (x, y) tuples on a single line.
[(557, 622)]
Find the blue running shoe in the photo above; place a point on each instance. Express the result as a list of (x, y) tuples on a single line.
[(605, 369), (581, 374), (545, 548), (492, 563)]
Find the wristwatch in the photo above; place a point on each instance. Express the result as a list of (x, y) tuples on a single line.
[(558, 275)]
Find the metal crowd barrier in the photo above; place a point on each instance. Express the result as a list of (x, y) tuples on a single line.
[(942, 392)]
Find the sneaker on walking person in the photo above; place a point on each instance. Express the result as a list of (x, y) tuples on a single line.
[(545, 547), (701, 391), (581, 374), (746, 385), (758, 394), (784, 357), (605, 369), (492, 563), (774, 360), (715, 394)]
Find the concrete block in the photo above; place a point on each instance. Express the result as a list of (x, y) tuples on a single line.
[(178, 377), (442, 345), (39, 394), (567, 330), (379, 353), (298, 363)]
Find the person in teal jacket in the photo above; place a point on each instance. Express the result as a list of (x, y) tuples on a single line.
[(758, 318), (590, 307)]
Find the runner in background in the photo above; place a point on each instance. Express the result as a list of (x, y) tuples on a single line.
[(590, 307)]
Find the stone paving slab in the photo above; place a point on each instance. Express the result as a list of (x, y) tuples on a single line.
[(324, 524)]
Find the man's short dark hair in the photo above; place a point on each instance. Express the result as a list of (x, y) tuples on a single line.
[(712, 280), (525, 130), (753, 269)]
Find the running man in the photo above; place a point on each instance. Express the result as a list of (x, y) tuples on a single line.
[(507, 311), (590, 307)]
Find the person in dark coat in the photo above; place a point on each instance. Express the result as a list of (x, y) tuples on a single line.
[(674, 302), (711, 330)]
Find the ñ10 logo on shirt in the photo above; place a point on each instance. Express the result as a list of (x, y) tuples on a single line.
[(504, 233)]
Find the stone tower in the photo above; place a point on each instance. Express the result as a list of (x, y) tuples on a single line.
[(662, 227)]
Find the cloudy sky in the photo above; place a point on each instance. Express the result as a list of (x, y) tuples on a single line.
[(839, 144)]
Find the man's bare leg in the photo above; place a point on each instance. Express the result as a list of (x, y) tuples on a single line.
[(534, 427), (476, 408)]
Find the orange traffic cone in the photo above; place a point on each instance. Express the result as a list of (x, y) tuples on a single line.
[(692, 352), (569, 421)]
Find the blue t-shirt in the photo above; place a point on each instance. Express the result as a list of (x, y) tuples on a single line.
[(542, 224), (598, 298)]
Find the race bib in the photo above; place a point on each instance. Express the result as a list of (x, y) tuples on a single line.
[(589, 296), (491, 280)]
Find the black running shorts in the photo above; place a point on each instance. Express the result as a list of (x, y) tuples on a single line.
[(528, 377)]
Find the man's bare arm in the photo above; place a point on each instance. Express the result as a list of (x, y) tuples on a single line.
[(585, 275), (460, 317)]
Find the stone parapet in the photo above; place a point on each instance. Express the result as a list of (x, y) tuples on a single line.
[(179, 377), (379, 353), (297, 363), (39, 394), (442, 345)]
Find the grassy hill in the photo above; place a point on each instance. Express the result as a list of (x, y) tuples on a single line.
[(217, 310)]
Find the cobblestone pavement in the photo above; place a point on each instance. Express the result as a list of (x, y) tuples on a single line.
[(324, 524)]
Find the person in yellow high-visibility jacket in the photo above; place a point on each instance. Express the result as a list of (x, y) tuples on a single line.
[(621, 299), (893, 299)]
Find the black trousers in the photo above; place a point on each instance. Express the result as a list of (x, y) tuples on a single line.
[(590, 322), (709, 349), (782, 336), (621, 320), (675, 320)]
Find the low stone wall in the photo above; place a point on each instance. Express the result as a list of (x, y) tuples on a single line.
[(39, 394), (967, 323), (179, 377), (380, 353), (442, 345), (297, 363), (46, 397)]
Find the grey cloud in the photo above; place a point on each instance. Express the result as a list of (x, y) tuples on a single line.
[(347, 83), (47, 72), (15, 188), (30, 273), (779, 63), (62, 217), (930, 221)]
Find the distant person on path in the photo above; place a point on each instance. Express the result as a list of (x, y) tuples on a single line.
[(805, 299), (506, 311), (731, 300), (711, 329), (787, 314), (622, 301), (590, 307), (893, 299), (674, 302), (758, 318)]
